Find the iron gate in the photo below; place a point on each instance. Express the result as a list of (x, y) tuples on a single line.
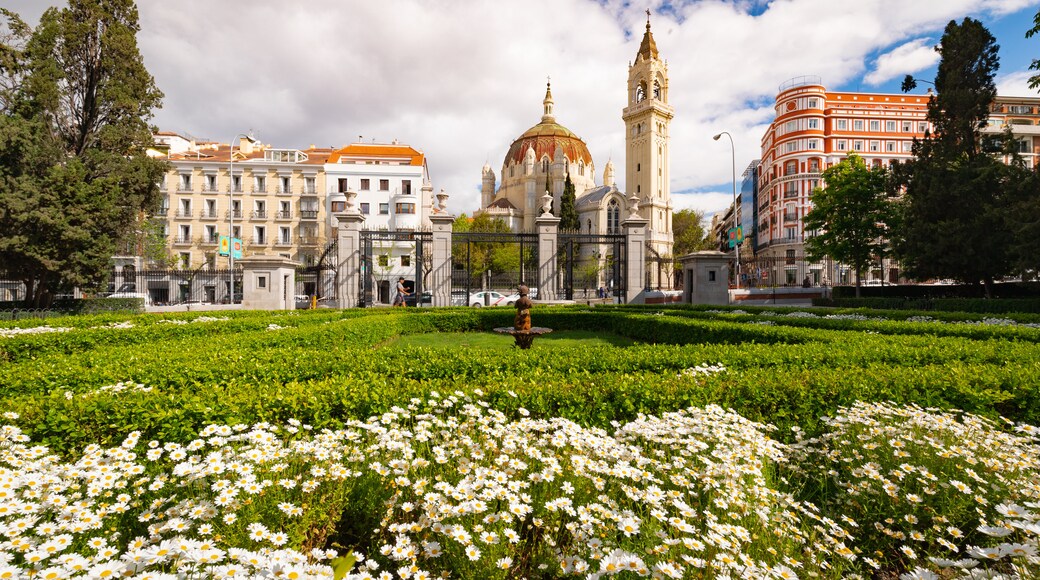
[(496, 261), (321, 279), (387, 256), (592, 265)]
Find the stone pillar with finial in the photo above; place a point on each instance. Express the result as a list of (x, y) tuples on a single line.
[(548, 226), (635, 228), (348, 239), (442, 223)]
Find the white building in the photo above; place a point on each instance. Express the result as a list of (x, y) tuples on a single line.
[(393, 189)]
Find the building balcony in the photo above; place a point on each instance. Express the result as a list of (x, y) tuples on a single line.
[(207, 188), (308, 214), (258, 190), (309, 190), (209, 241), (236, 189), (308, 240), (163, 211), (184, 188), (258, 215), (283, 242), (183, 214), (237, 214), (182, 241), (283, 190), (793, 193), (790, 218), (258, 241), (283, 215), (208, 214)]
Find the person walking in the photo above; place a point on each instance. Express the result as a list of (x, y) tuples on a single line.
[(401, 292)]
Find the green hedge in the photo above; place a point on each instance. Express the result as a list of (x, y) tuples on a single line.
[(974, 305)]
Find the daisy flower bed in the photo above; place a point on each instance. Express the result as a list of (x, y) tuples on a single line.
[(141, 449)]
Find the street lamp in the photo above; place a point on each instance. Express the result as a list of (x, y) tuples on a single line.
[(231, 213), (733, 152)]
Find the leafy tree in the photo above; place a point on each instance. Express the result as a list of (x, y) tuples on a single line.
[(851, 214), (568, 211), (956, 200), (75, 100), (688, 233), (1034, 81)]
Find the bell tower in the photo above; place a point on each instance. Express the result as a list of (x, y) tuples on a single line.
[(647, 117)]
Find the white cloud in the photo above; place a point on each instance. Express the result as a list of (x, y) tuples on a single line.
[(1016, 84), (709, 202), (462, 79), (905, 59)]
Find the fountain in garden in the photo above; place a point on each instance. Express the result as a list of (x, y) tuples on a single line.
[(522, 332)]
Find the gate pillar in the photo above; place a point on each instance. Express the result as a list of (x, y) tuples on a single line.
[(349, 267), (440, 287), (548, 243), (635, 248)]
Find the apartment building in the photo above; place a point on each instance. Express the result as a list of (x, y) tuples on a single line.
[(815, 128), (271, 198)]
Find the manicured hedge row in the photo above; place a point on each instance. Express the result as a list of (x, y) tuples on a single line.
[(1000, 306), (1003, 290)]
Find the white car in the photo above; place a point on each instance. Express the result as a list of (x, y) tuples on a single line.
[(147, 299), (494, 299)]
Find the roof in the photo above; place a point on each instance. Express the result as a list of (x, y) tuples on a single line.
[(221, 152), (502, 203), (378, 151), (647, 48), (545, 138), (595, 195)]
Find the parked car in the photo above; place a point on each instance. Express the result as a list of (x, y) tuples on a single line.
[(427, 299), (493, 298), (128, 291)]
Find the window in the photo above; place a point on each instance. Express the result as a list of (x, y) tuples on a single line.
[(308, 185), (259, 235), (404, 208), (366, 208), (843, 124), (813, 144), (1024, 146), (791, 168), (236, 183), (236, 232), (857, 125), (1020, 109), (211, 234), (339, 206), (185, 208), (657, 90), (261, 281), (285, 209), (875, 126), (185, 260), (857, 146), (790, 127), (545, 165), (406, 187), (922, 127), (384, 208), (790, 146), (211, 183), (581, 167), (613, 217), (285, 236), (842, 145), (890, 126), (384, 185), (211, 208), (814, 123), (185, 234), (908, 126), (260, 184), (711, 275), (638, 166), (286, 184), (185, 182), (890, 146), (406, 260), (365, 185), (875, 146), (908, 146), (814, 166), (812, 103), (640, 92)]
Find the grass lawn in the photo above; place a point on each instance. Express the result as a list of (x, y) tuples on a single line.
[(559, 338)]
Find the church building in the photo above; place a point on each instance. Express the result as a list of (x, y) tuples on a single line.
[(542, 157)]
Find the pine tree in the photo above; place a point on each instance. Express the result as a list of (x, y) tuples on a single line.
[(74, 178), (956, 205), (568, 211)]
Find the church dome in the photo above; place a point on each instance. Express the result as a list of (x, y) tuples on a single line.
[(546, 137)]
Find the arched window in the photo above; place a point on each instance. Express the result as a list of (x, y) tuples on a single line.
[(589, 225), (613, 217), (545, 165), (657, 90), (581, 167), (641, 92)]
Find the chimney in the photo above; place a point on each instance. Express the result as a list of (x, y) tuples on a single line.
[(245, 146)]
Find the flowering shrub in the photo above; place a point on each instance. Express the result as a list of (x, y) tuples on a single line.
[(931, 491)]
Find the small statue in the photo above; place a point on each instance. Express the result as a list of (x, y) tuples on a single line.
[(523, 309)]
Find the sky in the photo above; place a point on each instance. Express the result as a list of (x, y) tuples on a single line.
[(461, 79)]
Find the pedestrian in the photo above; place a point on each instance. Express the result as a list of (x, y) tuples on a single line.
[(806, 283), (401, 292)]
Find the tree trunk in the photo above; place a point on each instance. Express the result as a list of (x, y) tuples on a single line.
[(987, 285), (857, 283)]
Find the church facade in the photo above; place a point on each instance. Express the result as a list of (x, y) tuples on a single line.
[(542, 158)]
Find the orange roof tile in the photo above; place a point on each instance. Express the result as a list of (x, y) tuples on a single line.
[(378, 151)]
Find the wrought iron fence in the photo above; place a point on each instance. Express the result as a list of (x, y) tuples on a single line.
[(591, 266), (492, 261)]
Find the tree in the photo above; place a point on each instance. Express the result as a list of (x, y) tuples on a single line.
[(74, 177), (1034, 81), (568, 212), (688, 232), (955, 204), (851, 214)]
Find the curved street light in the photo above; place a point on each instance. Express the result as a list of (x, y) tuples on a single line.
[(733, 153), (231, 212)]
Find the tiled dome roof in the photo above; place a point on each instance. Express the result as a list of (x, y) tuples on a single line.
[(545, 138)]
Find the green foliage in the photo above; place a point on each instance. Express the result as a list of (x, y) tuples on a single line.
[(568, 212), (74, 178), (954, 217), (1034, 81), (851, 215), (688, 232)]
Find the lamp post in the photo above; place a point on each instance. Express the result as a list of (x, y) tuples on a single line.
[(733, 153), (231, 213)]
